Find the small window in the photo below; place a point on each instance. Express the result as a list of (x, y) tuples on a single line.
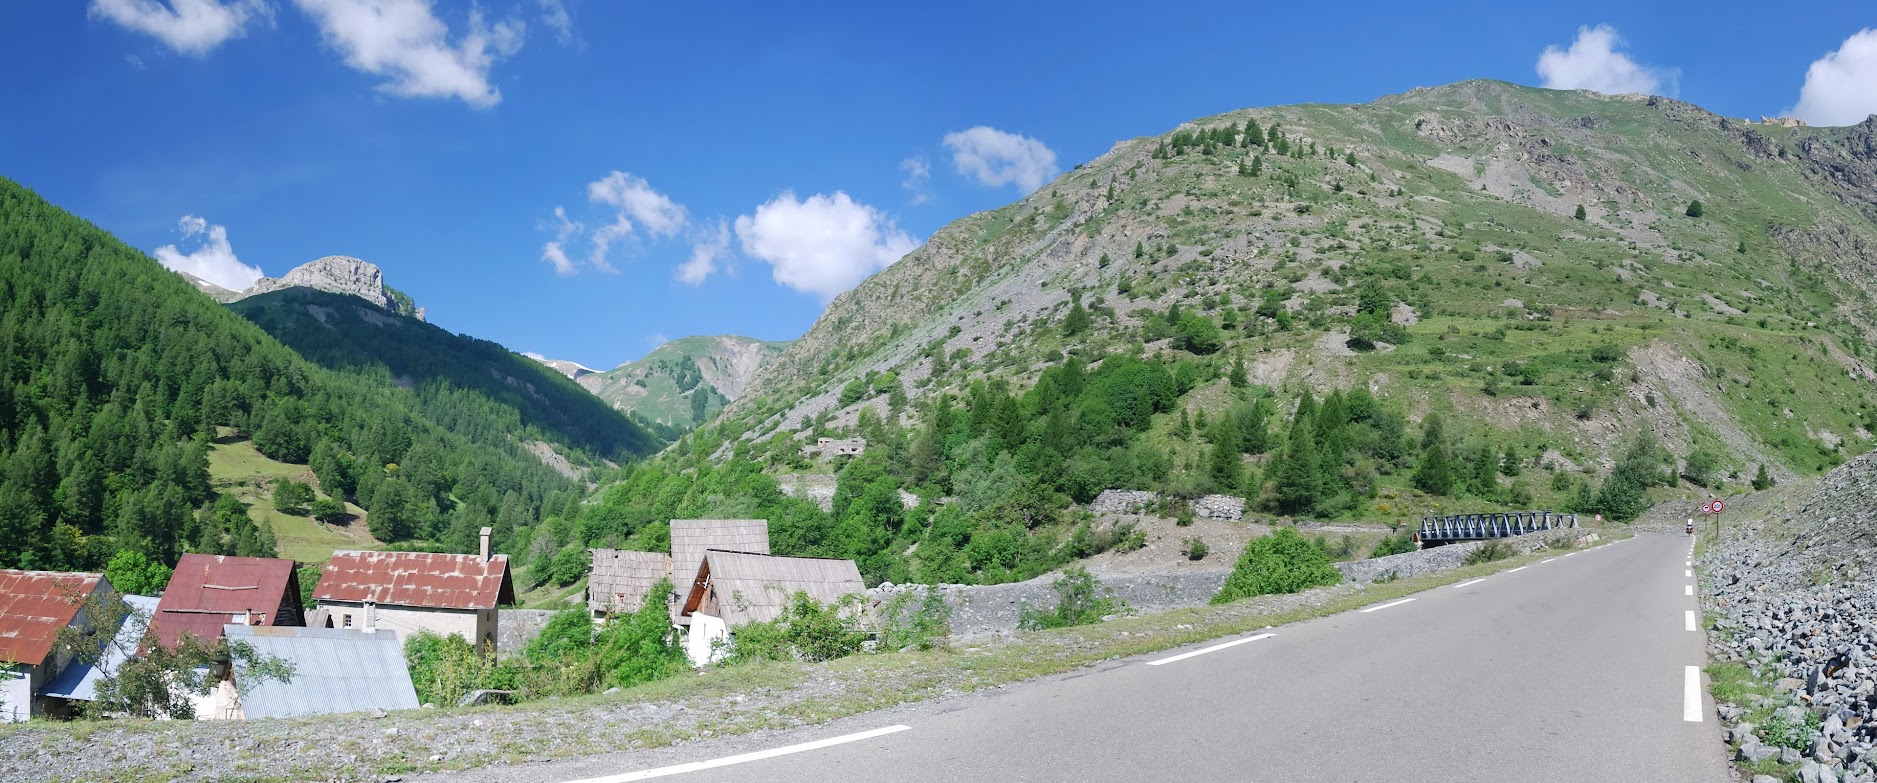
[(348, 621)]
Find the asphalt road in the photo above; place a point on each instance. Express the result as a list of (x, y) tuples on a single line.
[(1570, 670)]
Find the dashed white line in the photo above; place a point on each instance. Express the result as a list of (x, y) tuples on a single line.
[(1568, 554), (1385, 606), (1691, 694), (1687, 589), (1213, 648), (1688, 573), (1474, 582), (1688, 619), (1520, 568), (1689, 563), (746, 757), (1546, 560)]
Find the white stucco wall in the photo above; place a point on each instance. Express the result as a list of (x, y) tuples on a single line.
[(16, 695), (704, 630), (477, 626)]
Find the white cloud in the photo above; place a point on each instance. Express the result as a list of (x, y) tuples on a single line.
[(918, 173), (554, 15), (1841, 87), (135, 62), (634, 204), (406, 43), (824, 244), (187, 26), (537, 356), (214, 260), (555, 252), (705, 252), (1592, 63), (996, 158)]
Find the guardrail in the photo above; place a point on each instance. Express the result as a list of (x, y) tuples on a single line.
[(1475, 527)]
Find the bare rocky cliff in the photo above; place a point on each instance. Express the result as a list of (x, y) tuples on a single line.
[(340, 275)]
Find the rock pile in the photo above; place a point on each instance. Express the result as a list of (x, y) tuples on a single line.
[(1219, 507), (1792, 600), (1123, 501)]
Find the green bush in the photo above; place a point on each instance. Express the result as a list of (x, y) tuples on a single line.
[(1283, 562), (1784, 731), (1398, 542), (327, 510), (1195, 548), (1488, 552), (920, 627), (807, 630), (1081, 600)]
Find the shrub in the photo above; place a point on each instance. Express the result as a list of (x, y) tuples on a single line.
[(807, 630), (920, 627), (1785, 731), (1081, 600), (327, 510), (1131, 538), (1195, 548), (1283, 562), (292, 497), (1488, 552), (1396, 543)]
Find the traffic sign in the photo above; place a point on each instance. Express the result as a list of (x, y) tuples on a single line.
[(1707, 508), (1719, 506), (1599, 517)]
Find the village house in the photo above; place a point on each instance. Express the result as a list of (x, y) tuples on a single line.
[(34, 607), (691, 538), (733, 589), (78, 682), (622, 579), (207, 592), (408, 592), (334, 671)]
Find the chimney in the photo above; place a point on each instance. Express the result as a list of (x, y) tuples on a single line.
[(485, 543), (371, 616)]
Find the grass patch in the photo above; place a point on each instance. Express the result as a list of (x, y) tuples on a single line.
[(237, 468)]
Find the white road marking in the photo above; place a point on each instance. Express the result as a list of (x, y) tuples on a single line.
[(1568, 554), (1689, 573), (1474, 582), (697, 766), (1687, 589), (1386, 605), (1546, 560), (1689, 563), (1688, 618), (1520, 568), (1691, 694), (1213, 648)]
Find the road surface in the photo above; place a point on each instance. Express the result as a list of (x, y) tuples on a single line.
[(1574, 669)]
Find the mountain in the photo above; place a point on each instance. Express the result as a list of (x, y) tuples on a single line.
[(1428, 248), (342, 275), (123, 388), (573, 370), (448, 374), (682, 383)]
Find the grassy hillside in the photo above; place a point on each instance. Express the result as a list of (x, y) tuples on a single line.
[(237, 469), (685, 382)]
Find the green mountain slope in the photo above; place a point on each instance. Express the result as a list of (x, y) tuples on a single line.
[(117, 377), (683, 383), (1453, 210), (458, 381)]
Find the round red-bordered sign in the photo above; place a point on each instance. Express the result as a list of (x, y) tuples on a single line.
[(1718, 506), (1707, 508)]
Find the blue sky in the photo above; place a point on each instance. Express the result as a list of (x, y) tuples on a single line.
[(767, 155)]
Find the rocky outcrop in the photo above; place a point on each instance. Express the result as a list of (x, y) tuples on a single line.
[(340, 275)]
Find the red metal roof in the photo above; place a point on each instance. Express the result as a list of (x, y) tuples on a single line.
[(428, 579), (34, 605), (209, 591)]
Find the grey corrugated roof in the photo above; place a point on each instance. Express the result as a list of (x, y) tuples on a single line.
[(754, 588), (621, 578), (334, 670), (691, 538), (80, 680)]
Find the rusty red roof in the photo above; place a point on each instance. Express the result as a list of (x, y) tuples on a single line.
[(428, 579), (34, 605), (207, 592)]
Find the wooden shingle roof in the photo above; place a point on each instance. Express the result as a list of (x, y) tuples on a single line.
[(755, 588), (691, 538), (622, 578)]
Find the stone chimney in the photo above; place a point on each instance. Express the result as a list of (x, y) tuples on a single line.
[(371, 616), (485, 543)]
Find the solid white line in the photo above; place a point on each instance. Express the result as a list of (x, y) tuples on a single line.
[(1687, 589), (1691, 694), (1213, 648), (1385, 606), (1520, 568), (746, 757), (1546, 560), (1568, 554), (1688, 618), (1474, 582)]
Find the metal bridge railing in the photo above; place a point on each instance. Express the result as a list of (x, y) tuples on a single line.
[(1473, 527)]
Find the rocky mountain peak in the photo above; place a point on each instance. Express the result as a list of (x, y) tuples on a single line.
[(341, 275)]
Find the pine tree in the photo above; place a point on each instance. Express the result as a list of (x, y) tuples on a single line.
[(1185, 429), (1695, 209), (1257, 165), (1238, 378), (1762, 480), (1434, 475), (1433, 430), (1350, 159), (1139, 250), (1581, 215), (1298, 474), (1078, 319), (1225, 454)]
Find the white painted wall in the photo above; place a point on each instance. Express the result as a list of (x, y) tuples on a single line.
[(16, 695), (698, 641)]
